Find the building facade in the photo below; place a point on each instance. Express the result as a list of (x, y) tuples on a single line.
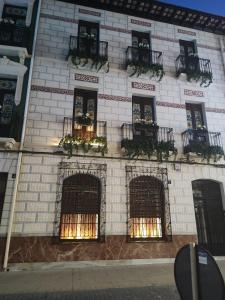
[(122, 126)]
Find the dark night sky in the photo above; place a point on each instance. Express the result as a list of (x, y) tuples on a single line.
[(216, 7)]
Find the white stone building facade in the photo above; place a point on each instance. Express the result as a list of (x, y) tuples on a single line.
[(37, 218)]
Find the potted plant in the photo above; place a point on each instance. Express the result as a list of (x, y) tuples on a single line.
[(84, 119)]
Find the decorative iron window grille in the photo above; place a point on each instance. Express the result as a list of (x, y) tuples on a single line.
[(148, 204), (80, 205)]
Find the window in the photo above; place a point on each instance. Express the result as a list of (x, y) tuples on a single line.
[(85, 114), (7, 105), (3, 182), (194, 115), (16, 14), (189, 57), (88, 39), (143, 115), (141, 47), (146, 208), (80, 210)]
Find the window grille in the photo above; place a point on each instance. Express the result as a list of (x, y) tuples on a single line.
[(148, 204), (80, 210)]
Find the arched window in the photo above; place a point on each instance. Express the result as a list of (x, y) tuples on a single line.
[(80, 210), (146, 208)]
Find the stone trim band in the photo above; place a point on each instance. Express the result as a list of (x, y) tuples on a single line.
[(118, 98)]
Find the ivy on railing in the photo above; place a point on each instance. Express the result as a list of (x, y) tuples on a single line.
[(71, 143)]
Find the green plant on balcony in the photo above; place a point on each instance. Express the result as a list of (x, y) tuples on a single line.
[(139, 67), (205, 78), (148, 147), (205, 151), (84, 119), (143, 124), (70, 143)]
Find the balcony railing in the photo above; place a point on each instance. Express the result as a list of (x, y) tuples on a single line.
[(198, 69), (12, 35), (147, 141), (144, 60), (82, 49), (203, 143), (98, 128)]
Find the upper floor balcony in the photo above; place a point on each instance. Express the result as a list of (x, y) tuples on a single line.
[(140, 139), (87, 51), (84, 134), (198, 69), (142, 60), (203, 143)]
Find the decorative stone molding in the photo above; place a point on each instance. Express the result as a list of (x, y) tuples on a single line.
[(28, 3), (9, 68), (7, 143), (143, 86), (186, 32), (89, 12), (13, 51), (192, 93), (114, 98), (67, 169), (141, 23), (86, 78)]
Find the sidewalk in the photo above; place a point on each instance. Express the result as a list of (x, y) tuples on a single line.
[(92, 283)]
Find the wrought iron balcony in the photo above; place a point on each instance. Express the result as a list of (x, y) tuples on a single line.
[(203, 143), (12, 35), (198, 69), (140, 140), (72, 128), (82, 49), (143, 60)]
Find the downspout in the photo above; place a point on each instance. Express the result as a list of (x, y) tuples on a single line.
[(12, 209), (222, 48)]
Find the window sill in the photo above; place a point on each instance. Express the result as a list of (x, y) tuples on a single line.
[(7, 143)]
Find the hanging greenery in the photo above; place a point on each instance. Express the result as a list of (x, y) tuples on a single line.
[(84, 119), (82, 60), (155, 70), (205, 151), (148, 147), (70, 143), (205, 78)]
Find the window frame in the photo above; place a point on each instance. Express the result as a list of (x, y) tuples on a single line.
[(4, 179)]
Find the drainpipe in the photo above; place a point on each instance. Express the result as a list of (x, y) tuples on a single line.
[(222, 48), (12, 209)]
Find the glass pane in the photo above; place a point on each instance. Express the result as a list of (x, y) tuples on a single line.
[(134, 41), (146, 228), (9, 85), (83, 31), (91, 108), (198, 118), (182, 50), (190, 50), (79, 226), (79, 106), (189, 119), (136, 112), (6, 110), (148, 113)]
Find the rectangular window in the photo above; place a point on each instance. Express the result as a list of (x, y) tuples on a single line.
[(3, 182), (141, 47), (194, 115), (88, 39), (7, 105), (16, 14), (85, 114)]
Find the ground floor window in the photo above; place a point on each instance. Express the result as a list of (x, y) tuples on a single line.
[(80, 210)]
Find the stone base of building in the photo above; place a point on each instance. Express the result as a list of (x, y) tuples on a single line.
[(47, 249)]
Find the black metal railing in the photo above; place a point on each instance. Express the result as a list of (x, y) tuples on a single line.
[(194, 139), (12, 35), (192, 64), (71, 127), (157, 134), (145, 56), (84, 47)]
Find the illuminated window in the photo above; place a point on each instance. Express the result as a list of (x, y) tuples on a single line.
[(80, 211), (146, 208)]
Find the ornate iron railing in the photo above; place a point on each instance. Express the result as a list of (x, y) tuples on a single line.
[(98, 128), (98, 51), (143, 60), (196, 68), (157, 134), (13, 35), (195, 140)]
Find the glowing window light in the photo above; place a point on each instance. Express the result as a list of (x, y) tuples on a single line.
[(79, 226), (146, 228)]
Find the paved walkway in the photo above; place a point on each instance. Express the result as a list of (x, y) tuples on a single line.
[(141, 282)]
